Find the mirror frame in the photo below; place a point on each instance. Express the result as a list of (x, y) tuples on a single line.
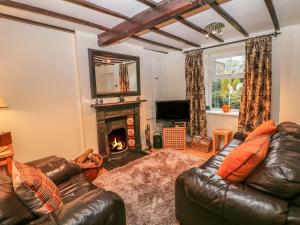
[(94, 94)]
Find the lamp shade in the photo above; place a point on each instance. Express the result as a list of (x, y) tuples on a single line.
[(3, 103)]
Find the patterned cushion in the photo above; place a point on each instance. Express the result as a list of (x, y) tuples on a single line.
[(35, 189)]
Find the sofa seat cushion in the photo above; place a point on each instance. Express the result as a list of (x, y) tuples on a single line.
[(244, 158), (236, 202), (279, 174), (10, 204), (35, 189), (75, 187), (213, 164), (293, 217)]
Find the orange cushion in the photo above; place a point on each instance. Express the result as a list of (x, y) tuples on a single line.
[(243, 159), (265, 128)]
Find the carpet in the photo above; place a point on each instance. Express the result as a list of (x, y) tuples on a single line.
[(147, 186)]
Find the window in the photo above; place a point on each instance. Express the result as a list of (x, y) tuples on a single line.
[(227, 81)]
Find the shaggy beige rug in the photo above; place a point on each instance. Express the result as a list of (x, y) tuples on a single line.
[(147, 186)]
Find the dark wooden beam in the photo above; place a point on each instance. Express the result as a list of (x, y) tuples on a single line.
[(273, 14), (172, 36), (149, 3), (23, 20), (98, 8), (222, 12), (184, 21), (52, 14), (154, 43), (197, 28), (147, 19)]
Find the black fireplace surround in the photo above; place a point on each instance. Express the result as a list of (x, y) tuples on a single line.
[(113, 116)]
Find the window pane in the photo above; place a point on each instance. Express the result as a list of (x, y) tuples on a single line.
[(230, 65), (227, 91)]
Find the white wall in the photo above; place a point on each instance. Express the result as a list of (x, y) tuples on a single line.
[(38, 81), (286, 64)]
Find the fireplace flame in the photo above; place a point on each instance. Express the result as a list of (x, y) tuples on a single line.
[(117, 144)]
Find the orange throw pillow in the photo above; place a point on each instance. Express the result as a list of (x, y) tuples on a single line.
[(243, 159), (265, 128)]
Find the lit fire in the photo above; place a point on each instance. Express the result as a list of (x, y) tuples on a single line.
[(117, 144)]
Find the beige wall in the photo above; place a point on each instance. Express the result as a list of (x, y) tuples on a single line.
[(38, 81)]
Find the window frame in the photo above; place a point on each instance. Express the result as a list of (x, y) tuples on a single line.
[(213, 76)]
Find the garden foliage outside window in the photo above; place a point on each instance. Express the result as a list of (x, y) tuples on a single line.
[(227, 82)]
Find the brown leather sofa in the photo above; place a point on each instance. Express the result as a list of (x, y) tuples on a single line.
[(84, 203), (269, 196)]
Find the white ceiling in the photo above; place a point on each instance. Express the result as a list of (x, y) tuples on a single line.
[(252, 15)]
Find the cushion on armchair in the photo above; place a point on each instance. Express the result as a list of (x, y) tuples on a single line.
[(35, 189)]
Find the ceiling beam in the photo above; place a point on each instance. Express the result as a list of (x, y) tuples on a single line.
[(149, 3), (52, 14), (197, 28), (184, 21), (147, 19), (154, 43), (23, 20), (172, 36), (98, 8), (222, 12), (273, 14)]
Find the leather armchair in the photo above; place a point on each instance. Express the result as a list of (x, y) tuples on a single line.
[(84, 203), (204, 198)]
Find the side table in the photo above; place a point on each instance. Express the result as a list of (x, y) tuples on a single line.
[(6, 160), (218, 134)]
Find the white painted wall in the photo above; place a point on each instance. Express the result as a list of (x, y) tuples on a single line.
[(286, 64), (38, 81)]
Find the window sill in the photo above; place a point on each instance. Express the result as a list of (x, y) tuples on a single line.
[(221, 113)]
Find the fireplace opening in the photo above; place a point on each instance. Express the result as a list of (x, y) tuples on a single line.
[(117, 141)]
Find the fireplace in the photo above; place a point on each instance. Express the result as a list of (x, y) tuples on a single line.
[(118, 128)]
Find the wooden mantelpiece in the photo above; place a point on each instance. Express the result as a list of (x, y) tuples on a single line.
[(117, 104), (105, 113)]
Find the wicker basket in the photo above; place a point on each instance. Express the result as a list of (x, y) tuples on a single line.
[(90, 170), (201, 144)]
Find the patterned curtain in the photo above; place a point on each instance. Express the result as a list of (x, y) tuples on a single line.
[(256, 98), (195, 92), (124, 79)]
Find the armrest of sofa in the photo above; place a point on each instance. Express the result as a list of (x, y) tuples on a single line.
[(237, 202), (95, 207)]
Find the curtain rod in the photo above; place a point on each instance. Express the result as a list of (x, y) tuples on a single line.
[(274, 34)]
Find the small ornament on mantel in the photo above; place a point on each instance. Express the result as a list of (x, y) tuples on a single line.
[(122, 99), (138, 98), (99, 101)]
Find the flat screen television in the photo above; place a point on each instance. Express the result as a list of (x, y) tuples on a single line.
[(175, 110)]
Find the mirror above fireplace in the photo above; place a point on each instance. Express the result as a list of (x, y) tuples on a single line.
[(113, 74)]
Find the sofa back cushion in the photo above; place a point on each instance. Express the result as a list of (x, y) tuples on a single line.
[(35, 189), (12, 210), (279, 174), (237, 166), (58, 169)]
